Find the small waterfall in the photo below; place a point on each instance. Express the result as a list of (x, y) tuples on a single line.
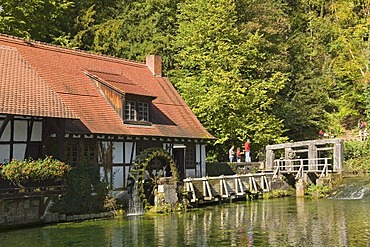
[(352, 189), (135, 204)]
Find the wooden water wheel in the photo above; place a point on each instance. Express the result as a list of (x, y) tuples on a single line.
[(148, 169)]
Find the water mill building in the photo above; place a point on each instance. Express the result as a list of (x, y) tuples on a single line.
[(67, 103)]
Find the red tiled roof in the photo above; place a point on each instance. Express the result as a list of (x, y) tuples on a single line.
[(57, 81), (121, 83), (24, 92)]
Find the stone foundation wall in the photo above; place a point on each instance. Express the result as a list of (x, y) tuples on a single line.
[(25, 211), (19, 212)]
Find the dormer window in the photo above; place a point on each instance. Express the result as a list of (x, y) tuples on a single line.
[(143, 111), (131, 102), (130, 110), (136, 112)]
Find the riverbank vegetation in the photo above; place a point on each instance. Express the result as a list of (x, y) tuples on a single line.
[(357, 157), (266, 70), (318, 191), (278, 193)]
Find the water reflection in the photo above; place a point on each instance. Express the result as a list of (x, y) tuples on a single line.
[(278, 222)]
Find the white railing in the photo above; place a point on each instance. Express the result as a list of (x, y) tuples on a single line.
[(228, 186), (301, 166)]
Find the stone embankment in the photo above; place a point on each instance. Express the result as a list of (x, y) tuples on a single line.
[(28, 211)]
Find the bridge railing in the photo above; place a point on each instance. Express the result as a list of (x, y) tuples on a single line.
[(301, 166)]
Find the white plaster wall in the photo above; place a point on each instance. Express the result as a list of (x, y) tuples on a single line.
[(118, 181), (190, 173), (20, 130), (198, 173), (118, 177), (36, 132), (167, 147), (18, 151), (6, 135), (118, 152), (197, 153), (203, 160), (128, 148), (4, 153), (101, 173), (127, 169)]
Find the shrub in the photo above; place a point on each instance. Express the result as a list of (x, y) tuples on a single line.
[(34, 170), (357, 156), (85, 192), (278, 194), (318, 191)]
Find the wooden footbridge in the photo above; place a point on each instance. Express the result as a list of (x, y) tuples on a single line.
[(311, 166)]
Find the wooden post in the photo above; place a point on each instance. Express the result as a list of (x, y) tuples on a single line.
[(299, 188), (269, 159), (312, 156), (338, 156)]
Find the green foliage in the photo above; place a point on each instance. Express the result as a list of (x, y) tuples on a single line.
[(265, 70), (85, 192), (35, 170), (36, 19), (318, 191), (162, 209), (131, 29), (356, 157), (219, 73), (277, 194)]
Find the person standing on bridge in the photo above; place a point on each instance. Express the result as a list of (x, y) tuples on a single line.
[(231, 154), (238, 155), (247, 150)]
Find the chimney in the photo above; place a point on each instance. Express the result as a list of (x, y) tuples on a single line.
[(154, 63)]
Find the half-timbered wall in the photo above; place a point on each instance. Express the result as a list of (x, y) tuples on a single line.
[(126, 151), (20, 137)]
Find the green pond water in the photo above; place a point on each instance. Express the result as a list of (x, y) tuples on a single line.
[(276, 222)]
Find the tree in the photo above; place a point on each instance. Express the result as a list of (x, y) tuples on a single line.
[(329, 57), (35, 19), (217, 73), (304, 102), (133, 30)]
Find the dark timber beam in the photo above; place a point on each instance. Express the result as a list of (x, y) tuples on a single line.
[(4, 124), (29, 135)]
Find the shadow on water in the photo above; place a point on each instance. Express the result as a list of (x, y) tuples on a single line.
[(352, 189)]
